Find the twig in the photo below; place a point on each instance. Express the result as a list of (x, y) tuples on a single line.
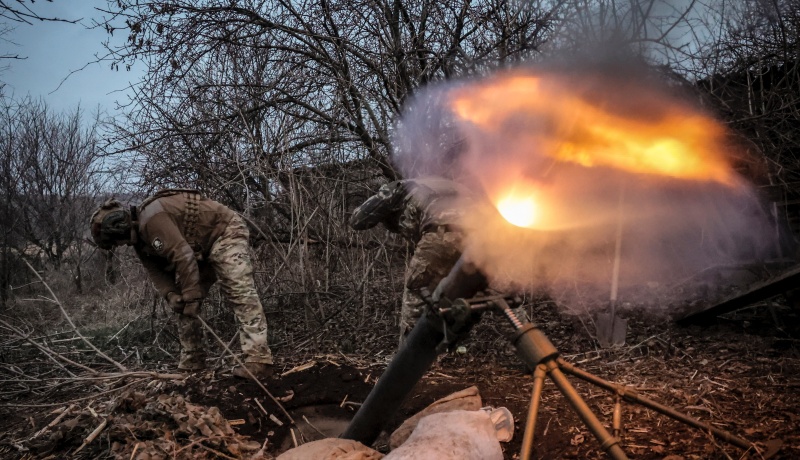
[(93, 435), (165, 352), (240, 363), (71, 339), (300, 368), (315, 428), (135, 448), (47, 351), (69, 320), (109, 376), (275, 420), (291, 245), (73, 400), (215, 452), (199, 443), (55, 421), (258, 403), (123, 328), (141, 374), (230, 344)]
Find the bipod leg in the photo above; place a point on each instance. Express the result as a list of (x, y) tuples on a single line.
[(536, 349), (616, 418), (632, 396), (539, 375), (608, 443)]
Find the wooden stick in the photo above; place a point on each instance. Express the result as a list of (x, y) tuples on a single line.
[(135, 448), (215, 452), (93, 435), (55, 421), (253, 377), (275, 419), (230, 344), (315, 428), (123, 328), (258, 403), (73, 400), (139, 374), (107, 376), (47, 351)]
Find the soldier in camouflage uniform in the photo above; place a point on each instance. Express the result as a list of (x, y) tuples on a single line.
[(424, 212), (187, 242)]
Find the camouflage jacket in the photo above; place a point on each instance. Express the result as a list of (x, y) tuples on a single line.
[(411, 207), (176, 229)]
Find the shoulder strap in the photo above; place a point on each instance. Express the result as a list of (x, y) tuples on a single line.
[(166, 192)]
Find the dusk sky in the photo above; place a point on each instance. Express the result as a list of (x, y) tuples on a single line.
[(53, 50)]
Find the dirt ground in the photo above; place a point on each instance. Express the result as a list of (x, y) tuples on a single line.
[(741, 374)]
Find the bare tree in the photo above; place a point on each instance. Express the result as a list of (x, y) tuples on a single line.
[(8, 194), (51, 175), (240, 95), (288, 77), (21, 12)]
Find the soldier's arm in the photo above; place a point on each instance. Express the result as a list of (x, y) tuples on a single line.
[(377, 207), (165, 238), (162, 279)]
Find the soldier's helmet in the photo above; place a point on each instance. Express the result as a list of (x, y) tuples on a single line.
[(110, 224), (380, 207)]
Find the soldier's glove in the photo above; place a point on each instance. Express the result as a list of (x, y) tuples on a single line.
[(191, 308), (175, 302)]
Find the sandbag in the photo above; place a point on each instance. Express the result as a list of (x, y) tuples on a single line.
[(468, 400), (455, 435), (331, 449)]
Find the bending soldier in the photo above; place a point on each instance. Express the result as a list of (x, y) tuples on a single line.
[(187, 242), (422, 211)]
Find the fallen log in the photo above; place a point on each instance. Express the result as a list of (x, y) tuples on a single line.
[(780, 284)]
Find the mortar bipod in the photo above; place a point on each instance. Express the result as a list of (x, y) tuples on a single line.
[(541, 355)]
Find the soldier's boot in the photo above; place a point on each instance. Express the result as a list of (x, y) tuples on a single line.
[(190, 333), (192, 361), (260, 371)]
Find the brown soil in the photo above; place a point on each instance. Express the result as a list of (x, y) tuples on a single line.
[(741, 375)]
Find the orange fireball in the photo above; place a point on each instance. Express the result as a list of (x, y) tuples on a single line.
[(545, 120), (520, 210)]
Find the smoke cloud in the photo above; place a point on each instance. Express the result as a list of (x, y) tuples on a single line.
[(616, 166)]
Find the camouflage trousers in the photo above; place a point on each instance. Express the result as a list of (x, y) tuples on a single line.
[(230, 258), (433, 258)]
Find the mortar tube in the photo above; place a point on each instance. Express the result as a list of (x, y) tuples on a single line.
[(413, 359), (410, 363), (463, 281)]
